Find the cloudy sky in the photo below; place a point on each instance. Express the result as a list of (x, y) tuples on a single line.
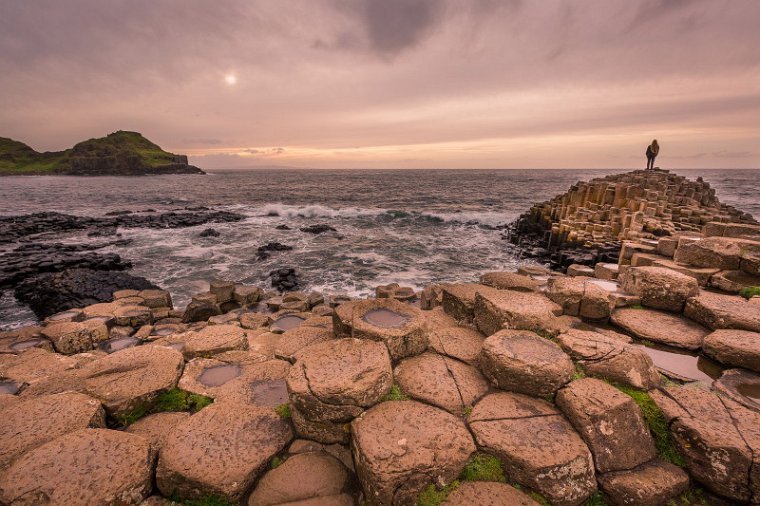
[(390, 83)]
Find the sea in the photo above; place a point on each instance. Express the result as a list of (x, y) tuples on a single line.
[(412, 227)]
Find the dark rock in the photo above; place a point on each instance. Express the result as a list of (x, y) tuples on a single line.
[(282, 227), (264, 252), (285, 280), (209, 232), (50, 293), (317, 229)]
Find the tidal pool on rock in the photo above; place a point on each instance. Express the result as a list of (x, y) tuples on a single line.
[(385, 318), (218, 375), (118, 343), (270, 393), (684, 364), (750, 390), (288, 322), (29, 343), (8, 387)]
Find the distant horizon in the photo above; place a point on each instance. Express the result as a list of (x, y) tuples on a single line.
[(391, 83)]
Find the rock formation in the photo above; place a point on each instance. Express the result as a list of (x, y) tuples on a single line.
[(118, 154), (587, 223)]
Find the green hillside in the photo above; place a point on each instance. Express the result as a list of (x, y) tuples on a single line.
[(120, 153)]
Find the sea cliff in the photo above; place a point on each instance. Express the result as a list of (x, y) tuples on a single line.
[(118, 154)]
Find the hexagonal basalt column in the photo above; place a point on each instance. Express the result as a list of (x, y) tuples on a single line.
[(335, 381), (398, 325)]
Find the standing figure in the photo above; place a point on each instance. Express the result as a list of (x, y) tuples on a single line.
[(652, 151)]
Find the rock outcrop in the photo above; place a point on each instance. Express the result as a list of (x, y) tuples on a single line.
[(118, 154)]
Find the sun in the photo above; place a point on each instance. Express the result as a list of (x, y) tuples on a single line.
[(230, 79)]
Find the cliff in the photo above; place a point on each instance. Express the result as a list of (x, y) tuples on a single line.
[(118, 154)]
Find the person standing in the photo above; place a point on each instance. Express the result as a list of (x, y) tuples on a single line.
[(652, 151)]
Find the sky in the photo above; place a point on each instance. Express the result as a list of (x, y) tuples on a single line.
[(390, 83)]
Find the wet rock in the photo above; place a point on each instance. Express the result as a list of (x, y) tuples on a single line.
[(579, 296), (650, 484), (610, 358), (336, 381), (265, 251), (34, 422), (510, 281), (658, 287), (660, 327), (90, 466), (322, 479), (487, 493), (522, 361), (157, 427), (50, 293), (209, 232), (735, 348), (398, 325), (284, 280), (400, 447), (706, 433), (220, 450), (317, 229), (717, 311), (441, 381), (507, 309), (610, 423), (538, 447)]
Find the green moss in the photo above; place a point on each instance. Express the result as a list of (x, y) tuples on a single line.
[(283, 410), (467, 411), (276, 462), (483, 467), (658, 426), (596, 499), (648, 344), (749, 291), (579, 373), (206, 500), (433, 496), (539, 498), (171, 400), (689, 498), (635, 306), (396, 394)]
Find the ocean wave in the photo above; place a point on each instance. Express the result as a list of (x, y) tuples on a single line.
[(314, 211)]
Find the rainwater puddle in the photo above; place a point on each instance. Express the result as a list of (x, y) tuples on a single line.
[(287, 322), (683, 364), (117, 344), (25, 345), (9, 387), (385, 318), (219, 375)]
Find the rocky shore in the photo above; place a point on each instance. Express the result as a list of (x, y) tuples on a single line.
[(633, 382), (586, 224)]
